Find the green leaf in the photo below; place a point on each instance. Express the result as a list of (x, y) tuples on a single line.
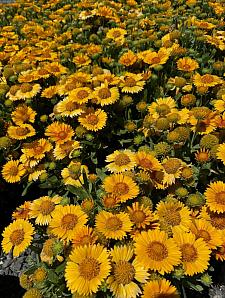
[(52, 277), (78, 191), (31, 270), (101, 174), (60, 268), (26, 188)]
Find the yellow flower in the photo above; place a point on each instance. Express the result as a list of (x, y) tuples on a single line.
[(140, 215), (12, 171), (93, 120), (187, 64), (215, 196), (17, 236), (86, 269), (66, 149), (55, 68), (195, 254), (49, 92), (126, 273), (83, 236), (65, 221), (113, 226), (172, 170), (147, 161), (123, 187), (73, 174), (41, 209), (81, 60), (80, 95), (221, 152), (220, 104), (159, 288), (22, 212), (128, 58), (203, 229), (220, 253), (132, 83), (69, 108), (154, 58), (155, 251), (23, 114), (27, 90), (105, 95), (120, 161), (162, 107), (59, 132), (206, 80), (217, 220), (116, 34), (21, 132), (37, 149)]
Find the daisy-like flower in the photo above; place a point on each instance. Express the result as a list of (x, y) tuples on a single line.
[(132, 83), (80, 95), (203, 229), (116, 34), (125, 273), (55, 68), (65, 220), (83, 236), (140, 215), (49, 92), (23, 114), (172, 169), (220, 154), (217, 220), (59, 132), (34, 174), (120, 161), (17, 236), (128, 58), (104, 95), (157, 58), (93, 120), (219, 104), (12, 171), (220, 253), (187, 64), (69, 108), (37, 149), (215, 196), (21, 132), (155, 251), (162, 107), (86, 269), (41, 209), (73, 174), (159, 288), (195, 253), (49, 253), (207, 80), (27, 90), (81, 60), (22, 212), (147, 161), (123, 187), (113, 226), (66, 149)]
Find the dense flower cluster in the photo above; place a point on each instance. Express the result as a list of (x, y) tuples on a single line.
[(114, 111)]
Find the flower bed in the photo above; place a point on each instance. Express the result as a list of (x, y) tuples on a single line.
[(112, 123)]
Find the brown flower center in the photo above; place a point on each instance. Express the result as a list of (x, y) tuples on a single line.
[(156, 60), (14, 89), (55, 68), (207, 79), (43, 72), (13, 170), (104, 93), (46, 207), (116, 33), (204, 234), (124, 272), (92, 119), (220, 197), (22, 131), (172, 217), (113, 223), (71, 106), (189, 253), (89, 268), (62, 135), (172, 165), (69, 221), (218, 220), (163, 109), (26, 88), (81, 94), (145, 163), (38, 149), (130, 82), (157, 251), (122, 159), (120, 188), (138, 216), (17, 237), (186, 66)]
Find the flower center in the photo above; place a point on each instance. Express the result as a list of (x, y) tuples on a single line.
[(89, 268), (145, 163), (186, 66), (109, 201), (172, 217), (92, 119), (172, 165), (26, 88), (189, 253), (120, 188), (157, 251), (204, 234), (130, 82), (138, 216), (69, 221), (122, 159), (38, 149), (218, 220), (43, 72), (116, 33), (62, 135), (104, 93), (71, 106), (163, 109), (156, 60), (220, 197), (82, 94), (69, 87), (13, 170), (46, 207), (22, 131), (113, 223), (14, 89), (55, 69), (207, 79), (124, 272), (17, 237)]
